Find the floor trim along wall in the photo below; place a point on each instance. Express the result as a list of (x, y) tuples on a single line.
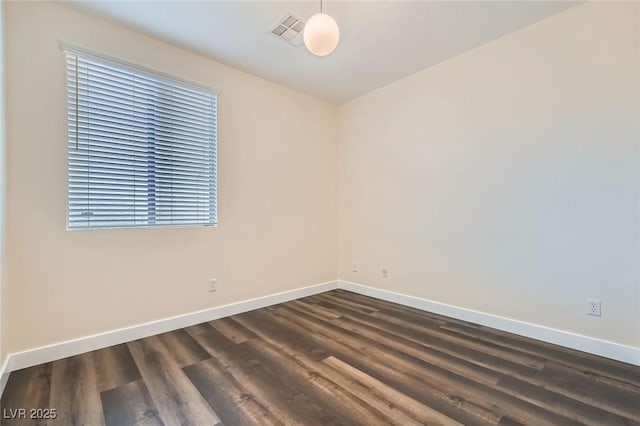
[(580, 342), (4, 374), (68, 348), (31, 357)]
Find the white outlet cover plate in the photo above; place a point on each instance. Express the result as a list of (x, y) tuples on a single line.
[(594, 307)]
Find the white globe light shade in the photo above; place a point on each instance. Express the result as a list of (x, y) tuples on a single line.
[(321, 34)]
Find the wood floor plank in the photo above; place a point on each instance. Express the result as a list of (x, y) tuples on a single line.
[(327, 380), (402, 311), (27, 389), (74, 392), (227, 396), (183, 348), (427, 341), (261, 323), (254, 377), (177, 399), (283, 335), (458, 386), (597, 378), (336, 358), (424, 352), (325, 312), (194, 330), (624, 373), (616, 401), (367, 309), (392, 323), (268, 381), (395, 404), (115, 367), (339, 405), (580, 387), (232, 331), (469, 353), (566, 356), (391, 308), (431, 328), (507, 421), (130, 404), (562, 404), (15, 397)]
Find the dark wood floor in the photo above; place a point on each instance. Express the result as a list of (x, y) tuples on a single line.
[(334, 358)]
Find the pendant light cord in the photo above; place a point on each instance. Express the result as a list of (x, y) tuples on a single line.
[(320, 6)]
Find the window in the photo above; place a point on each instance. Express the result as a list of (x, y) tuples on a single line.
[(141, 147)]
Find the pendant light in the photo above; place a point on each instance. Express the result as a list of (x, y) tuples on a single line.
[(321, 34)]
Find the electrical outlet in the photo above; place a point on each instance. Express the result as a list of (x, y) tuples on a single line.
[(593, 307), (385, 272), (354, 266), (213, 284)]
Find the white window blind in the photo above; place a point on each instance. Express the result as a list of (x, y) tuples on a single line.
[(141, 147)]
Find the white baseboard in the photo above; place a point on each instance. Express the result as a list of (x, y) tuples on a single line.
[(628, 354), (31, 357), (4, 374)]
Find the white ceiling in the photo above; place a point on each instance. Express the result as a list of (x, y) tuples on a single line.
[(380, 41)]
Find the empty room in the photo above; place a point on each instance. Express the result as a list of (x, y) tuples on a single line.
[(319, 213)]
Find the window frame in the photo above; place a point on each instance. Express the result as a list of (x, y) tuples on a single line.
[(154, 75)]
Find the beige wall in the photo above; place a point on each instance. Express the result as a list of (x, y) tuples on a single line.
[(277, 193), (2, 194), (505, 180)]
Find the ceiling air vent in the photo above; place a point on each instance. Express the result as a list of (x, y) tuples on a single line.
[(289, 29)]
